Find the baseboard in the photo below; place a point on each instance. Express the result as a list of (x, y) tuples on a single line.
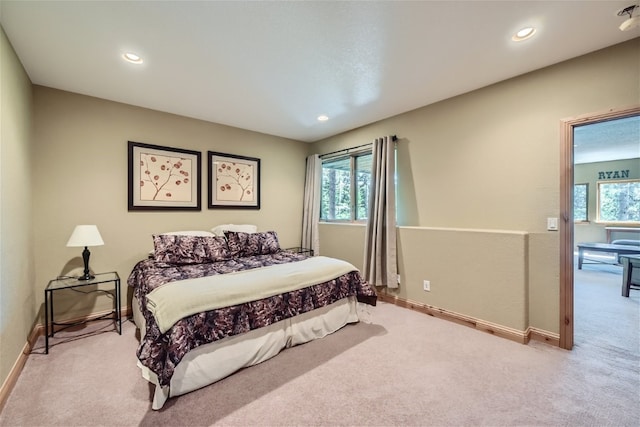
[(543, 336), (38, 331), (521, 337)]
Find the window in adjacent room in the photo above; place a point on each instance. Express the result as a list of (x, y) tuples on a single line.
[(580, 206), (345, 187), (619, 201)]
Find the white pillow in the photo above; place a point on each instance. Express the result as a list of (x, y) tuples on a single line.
[(244, 228), (189, 233)]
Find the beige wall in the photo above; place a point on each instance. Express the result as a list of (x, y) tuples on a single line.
[(477, 273), (489, 160), (80, 177), (587, 173), (344, 241), (459, 263), (17, 300)]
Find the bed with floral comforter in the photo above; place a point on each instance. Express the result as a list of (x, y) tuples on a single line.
[(184, 258)]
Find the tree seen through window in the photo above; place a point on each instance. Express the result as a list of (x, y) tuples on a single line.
[(345, 187), (619, 201), (580, 207)]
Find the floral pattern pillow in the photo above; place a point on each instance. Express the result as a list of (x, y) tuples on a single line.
[(268, 241), (248, 244), (183, 249), (217, 248)]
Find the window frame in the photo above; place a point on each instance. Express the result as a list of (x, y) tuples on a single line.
[(598, 200), (353, 206)]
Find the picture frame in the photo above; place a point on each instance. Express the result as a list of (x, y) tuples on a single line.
[(234, 181), (163, 178)]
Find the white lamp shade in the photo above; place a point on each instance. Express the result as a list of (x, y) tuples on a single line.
[(85, 235)]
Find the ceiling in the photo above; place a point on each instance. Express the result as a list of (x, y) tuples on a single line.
[(274, 67), (610, 140)]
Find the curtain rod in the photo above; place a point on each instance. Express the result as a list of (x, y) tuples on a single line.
[(393, 138)]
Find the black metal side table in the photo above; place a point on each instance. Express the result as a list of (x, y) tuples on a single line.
[(74, 283), (299, 250)]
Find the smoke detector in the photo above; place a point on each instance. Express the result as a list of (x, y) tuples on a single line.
[(632, 21)]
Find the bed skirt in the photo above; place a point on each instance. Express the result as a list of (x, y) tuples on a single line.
[(212, 362)]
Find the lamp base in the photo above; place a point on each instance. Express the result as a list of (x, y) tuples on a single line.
[(85, 258)]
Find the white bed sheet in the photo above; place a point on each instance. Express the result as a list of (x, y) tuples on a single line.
[(212, 362)]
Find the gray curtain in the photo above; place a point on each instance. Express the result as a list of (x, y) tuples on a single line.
[(311, 209), (380, 260)]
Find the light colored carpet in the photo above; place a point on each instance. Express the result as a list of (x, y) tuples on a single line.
[(405, 368)]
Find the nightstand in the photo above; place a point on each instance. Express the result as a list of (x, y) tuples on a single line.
[(299, 250), (75, 284)]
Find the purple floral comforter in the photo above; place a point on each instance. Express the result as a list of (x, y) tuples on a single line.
[(161, 353)]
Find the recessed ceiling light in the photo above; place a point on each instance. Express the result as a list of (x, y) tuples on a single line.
[(132, 57), (523, 34), (323, 118)]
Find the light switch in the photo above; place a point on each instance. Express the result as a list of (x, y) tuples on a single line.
[(552, 224)]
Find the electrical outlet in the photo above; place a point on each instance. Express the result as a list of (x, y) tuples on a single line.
[(398, 279), (426, 285)]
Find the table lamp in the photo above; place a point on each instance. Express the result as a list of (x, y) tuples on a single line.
[(85, 235)]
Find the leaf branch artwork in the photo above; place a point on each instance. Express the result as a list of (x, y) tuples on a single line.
[(234, 181), (163, 178)]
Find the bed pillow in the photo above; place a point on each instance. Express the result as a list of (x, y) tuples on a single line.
[(217, 248), (269, 243), (248, 244), (185, 249), (244, 228), (189, 233), (184, 233)]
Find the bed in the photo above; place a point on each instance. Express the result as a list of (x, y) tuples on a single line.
[(209, 305)]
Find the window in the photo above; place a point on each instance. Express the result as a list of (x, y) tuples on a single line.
[(619, 201), (345, 187), (580, 205)]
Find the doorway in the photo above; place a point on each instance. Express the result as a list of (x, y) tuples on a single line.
[(567, 214)]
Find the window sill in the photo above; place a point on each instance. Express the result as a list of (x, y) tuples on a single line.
[(619, 224), (343, 223)]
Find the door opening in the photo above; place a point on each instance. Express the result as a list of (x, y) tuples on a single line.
[(567, 214)]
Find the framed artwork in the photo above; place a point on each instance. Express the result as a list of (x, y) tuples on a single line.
[(234, 181), (164, 178)]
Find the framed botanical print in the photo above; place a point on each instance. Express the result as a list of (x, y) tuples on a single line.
[(163, 178), (234, 181)]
